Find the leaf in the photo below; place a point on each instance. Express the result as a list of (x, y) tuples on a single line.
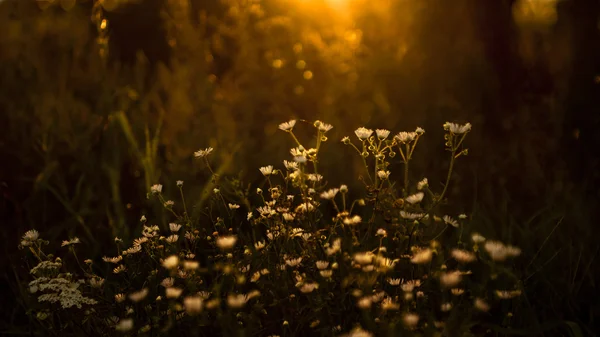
[(574, 328)]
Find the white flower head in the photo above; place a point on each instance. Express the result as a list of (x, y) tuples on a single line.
[(31, 235), (171, 262), (422, 184), (448, 220), (173, 292), (267, 170), (72, 241), (382, 133), (363, 133), (457, 128), (405, 137), (193, 304), (124, 325), (287, 126), (174, 227), (383, 175), (410, 320), (179, 183), (422, 256), (226, 242), (463, 256), (415, 198), (203, 153), (138, 295), (330, 194), (323, 127), (156, 189)]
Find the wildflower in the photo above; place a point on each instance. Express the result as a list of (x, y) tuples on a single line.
[(139, 295), (173, 292), (216, 190), (249, 216), (322, 265), (422, 184), (382, 133), (96, 282), (410, 320), (287, 126), (179, 183), (124, 325), (507, 294), (172, 238), (480, 304), (445, 307), (140, 241), (381, 232), (412, 216), (457, 291), (394, 281), (119, 298), (344, 189), (499, 252), (449, 221), (290, 165), (388, 304), (363, 133), (409, 286), (419, 131), (309, 287), (288, 216), (326, 273), (405, 137), (300, 159), (233, 206), (169, 203), (383, 175), (70, 242), (203, 153), (463, 256), (477, 238), (168, 282), (191, 265), (364, 303), (171, 262), (193, 304), (462, 216), (363, 258), (226, 242), (259, 245), (315, 177), (353, 220), (174, 227), (323, 127), (143, 219), (346, 140), (31, 235), (457, 128), (415, 198), (358, 332), (120, 268), (330, 194), (236, 301), (450, 279), (293, 262), (266, 170), (422, 256), (156, 189)]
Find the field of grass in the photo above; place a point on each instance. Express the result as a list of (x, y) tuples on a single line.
[(244, 168)]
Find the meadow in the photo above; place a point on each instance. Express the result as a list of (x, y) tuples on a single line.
[(299, 168)]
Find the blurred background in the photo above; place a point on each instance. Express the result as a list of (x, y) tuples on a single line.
[(101, 99)]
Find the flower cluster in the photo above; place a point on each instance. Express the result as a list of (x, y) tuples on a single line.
[(303, 249)]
